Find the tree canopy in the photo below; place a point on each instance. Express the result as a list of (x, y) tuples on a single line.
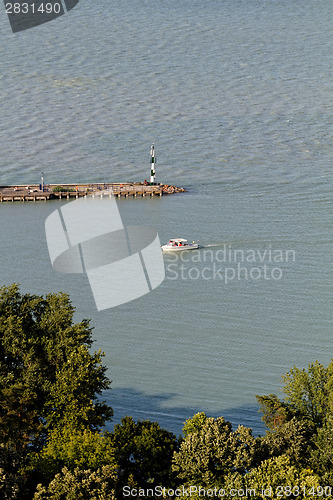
[(52, 420), (48, 376), (143, 452), (308, 396), (211, 450)]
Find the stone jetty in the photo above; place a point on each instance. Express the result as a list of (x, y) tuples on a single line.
[(35, 192)]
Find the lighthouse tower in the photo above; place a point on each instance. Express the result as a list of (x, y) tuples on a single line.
[(152, 163)]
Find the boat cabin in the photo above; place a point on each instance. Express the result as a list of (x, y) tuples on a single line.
[(177, 242)]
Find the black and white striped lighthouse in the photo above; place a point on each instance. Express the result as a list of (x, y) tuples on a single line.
[(152, 165)]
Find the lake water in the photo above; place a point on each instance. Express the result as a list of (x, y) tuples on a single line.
[(237, 97)]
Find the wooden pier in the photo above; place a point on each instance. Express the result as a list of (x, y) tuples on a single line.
[(32, 192)]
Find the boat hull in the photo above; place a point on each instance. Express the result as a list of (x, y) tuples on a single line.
[(170, 248)]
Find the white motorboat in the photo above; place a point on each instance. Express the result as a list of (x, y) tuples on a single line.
[(177, 244)]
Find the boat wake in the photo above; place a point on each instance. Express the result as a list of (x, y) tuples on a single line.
[(212, 245)]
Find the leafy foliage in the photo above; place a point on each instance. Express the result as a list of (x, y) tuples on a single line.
[(80, 485), (309, 397), (277, 477), (51, 420), (301, 425), (275, 412), (307, 392), (74, 448), (291, 439), (47, 374), (143, 453), (322, 452), (211, 450), (194, 424), (12, 486)]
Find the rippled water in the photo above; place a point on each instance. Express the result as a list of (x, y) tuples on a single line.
[(237, 96)]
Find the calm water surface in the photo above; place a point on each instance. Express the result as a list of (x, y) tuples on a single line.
[(237, 96)]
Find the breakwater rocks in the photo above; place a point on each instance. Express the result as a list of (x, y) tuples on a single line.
[(167, 189)]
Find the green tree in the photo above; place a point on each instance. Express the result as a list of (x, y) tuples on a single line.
[(301, 424), (291, 439), (143, 453), (308, 396), (74, 448), (277, 478), (194, 424), (12, 486), (211, 450), (80, 485), (307, 391), (275, 412), (47, 374), (321, 459)]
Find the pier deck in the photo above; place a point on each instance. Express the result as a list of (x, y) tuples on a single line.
[(32, 192)]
